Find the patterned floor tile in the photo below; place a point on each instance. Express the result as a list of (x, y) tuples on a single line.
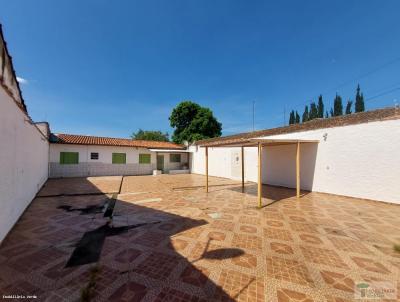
[(322, 256), (313, 248), (239, 287), (338, 281), (247, 241), (281, 248), (279, 234), (287, 295), (157, 266), (129, 292), (288, 270)]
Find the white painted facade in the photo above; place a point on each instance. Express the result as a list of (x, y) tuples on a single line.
[(23, 162), (103, 165), (361, 160)]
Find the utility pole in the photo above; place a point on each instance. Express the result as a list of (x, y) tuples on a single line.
[(254, 103), (284, 115)]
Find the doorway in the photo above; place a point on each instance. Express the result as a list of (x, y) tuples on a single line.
[(160, 162)]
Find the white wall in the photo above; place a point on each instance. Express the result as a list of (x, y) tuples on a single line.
[(168, 165), (105, 153), (359, 160), (219, 162), (23, 162)]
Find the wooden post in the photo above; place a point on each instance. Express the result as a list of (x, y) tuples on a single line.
[(259, 175), (298, 170), (207, 169), (242, 169)]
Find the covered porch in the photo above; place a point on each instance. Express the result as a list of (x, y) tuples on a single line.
[(260, 144)]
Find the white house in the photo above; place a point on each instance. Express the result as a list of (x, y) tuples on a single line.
[(79, 155), (354, 155)]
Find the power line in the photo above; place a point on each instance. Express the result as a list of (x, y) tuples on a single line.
[(364, 75), (383, 93)]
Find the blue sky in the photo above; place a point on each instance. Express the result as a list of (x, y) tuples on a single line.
[(108, 68)]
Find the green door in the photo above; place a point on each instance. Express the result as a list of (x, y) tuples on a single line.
[(160, 162)]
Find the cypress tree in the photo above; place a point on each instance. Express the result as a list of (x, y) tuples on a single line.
[(320, 107), (305, 114), (337, 106), (362, 106), (291, 118), (348, 107), (359, 105), (326, 114), (313, 111), (297, 119)]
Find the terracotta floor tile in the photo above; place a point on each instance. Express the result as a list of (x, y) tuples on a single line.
[(157, 266), (173, 295), (129, 292), (287, 295), (281, 248), (288, 270), (338, 281), (215, 246), (247, 241), (279, 234), (370, 265), (323, 256), (239, 287)]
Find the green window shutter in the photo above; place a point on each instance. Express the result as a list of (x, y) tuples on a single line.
[(144, 158), (119, 158), (175, 158), (69, 158)]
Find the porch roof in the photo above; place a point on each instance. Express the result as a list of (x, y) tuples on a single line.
[(253, 142)]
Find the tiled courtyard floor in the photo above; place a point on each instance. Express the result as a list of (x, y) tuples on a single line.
[(186, 245)]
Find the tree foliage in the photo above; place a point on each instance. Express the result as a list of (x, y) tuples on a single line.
[(348, 106), (292, 118), (359, 104), (305, 115), (193, 122), (337, 106), (297, 118), (317, 110), (320, 107), (313, 111), (150, 136)]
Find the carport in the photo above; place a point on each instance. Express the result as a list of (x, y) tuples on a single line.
[(260, 143)]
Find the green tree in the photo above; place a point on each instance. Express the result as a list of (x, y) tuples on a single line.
[(292, 118), (326, 114), (359, 105), (313, 111), (320, 107), (193, 122), (337, 106), (305, 114), (297, 118), (150, 136), (348, 106)]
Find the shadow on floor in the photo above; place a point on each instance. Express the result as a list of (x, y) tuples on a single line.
[(76, 224), (270, 194)]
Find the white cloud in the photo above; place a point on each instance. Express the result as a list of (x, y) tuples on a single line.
[(22, 80)]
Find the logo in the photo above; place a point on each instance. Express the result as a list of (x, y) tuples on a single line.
[(375, 290)]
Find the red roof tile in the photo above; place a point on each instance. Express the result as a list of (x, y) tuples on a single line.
[(109, 141)]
